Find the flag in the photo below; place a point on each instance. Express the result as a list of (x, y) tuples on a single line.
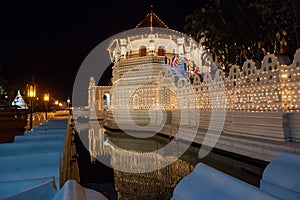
[(185, 67), (244, 54), (264, 51), (217, 59), (196, 71), (169, 61), (190, 68), (174, 61)]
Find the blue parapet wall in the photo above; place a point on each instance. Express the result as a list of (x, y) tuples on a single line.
[(40, 188), (210, 184), (30, 166), (36, 165), (282, 176), (33, 161), (38, 138), (33, 147)]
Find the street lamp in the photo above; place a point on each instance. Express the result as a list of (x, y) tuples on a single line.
[(68, 101), (31, 94), (46, 99)]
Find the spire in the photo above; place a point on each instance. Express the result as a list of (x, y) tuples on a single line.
[(152, 20)]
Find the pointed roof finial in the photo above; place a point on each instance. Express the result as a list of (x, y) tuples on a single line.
[(151, 17), (152, 20)]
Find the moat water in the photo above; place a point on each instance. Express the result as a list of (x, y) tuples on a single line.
[(92, 144)]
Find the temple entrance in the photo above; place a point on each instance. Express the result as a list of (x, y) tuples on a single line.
[(106, 98)]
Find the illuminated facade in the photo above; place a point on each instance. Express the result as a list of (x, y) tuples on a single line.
[(262, 105), (98, 99)]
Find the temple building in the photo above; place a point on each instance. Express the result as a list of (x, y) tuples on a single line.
[(138, 60), (170, 69)]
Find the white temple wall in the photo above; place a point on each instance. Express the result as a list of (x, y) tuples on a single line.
[(262, 105)]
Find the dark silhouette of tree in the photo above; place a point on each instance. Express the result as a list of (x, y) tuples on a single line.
[(239, 30), (278, 21)]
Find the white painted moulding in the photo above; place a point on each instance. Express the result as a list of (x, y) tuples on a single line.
[(72, 190)]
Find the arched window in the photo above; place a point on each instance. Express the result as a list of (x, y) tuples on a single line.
[(270, 60), (142, 51), (161, 51)]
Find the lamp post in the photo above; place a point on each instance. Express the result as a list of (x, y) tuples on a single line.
[(46, 99), (69, 109), (31, 94), (68, 101)]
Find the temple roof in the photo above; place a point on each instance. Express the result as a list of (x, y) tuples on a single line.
[(152, 20)]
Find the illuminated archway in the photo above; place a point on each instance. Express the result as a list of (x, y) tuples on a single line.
[(106, 97)]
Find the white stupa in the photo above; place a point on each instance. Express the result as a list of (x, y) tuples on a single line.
[(19, 101)]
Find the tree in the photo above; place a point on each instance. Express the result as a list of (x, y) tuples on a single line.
[(3, 89), (239, 30), (279, 21)]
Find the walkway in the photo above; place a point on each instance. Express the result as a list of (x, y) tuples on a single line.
[(42, 164)]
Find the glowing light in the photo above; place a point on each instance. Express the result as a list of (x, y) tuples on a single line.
[(31, 91), (46, 97), (285, 75)]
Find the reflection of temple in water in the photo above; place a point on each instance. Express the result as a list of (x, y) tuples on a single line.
[(96, 142), (157, 184)]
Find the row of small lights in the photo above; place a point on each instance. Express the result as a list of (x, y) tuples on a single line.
[(267, 100)]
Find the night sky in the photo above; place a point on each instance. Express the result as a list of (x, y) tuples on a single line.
[(49, 40)]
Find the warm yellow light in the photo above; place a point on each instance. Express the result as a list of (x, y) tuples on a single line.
[(284, 75), (56, 102), (31, 91), (46, 97), (60, 104)]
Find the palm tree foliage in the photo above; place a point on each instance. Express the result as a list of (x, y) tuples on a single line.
[(234, 30)]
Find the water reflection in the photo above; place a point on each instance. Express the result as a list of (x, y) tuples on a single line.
[(117, 148)]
